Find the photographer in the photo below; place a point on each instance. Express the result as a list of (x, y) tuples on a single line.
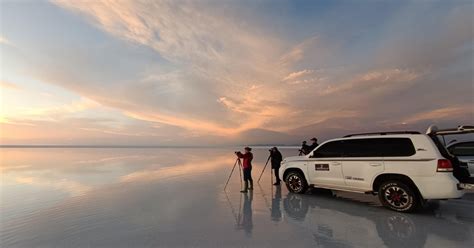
[(313, 145), (276, 161), (247, 168), (304, 149)]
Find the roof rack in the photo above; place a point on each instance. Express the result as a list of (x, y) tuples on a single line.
[(450, 131), (382, 133)]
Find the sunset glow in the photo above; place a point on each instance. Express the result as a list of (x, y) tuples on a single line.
[(230, 72)]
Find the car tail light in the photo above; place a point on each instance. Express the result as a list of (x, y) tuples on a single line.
[(444, 165)]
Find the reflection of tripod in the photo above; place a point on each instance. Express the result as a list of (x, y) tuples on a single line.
[(243, 218), (240, 172)]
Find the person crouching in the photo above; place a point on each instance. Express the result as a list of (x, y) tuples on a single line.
[(247, 168)]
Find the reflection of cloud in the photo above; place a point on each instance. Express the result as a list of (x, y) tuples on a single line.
[(108, 159), (68, 186), (188, 169)]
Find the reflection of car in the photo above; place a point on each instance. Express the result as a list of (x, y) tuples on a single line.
[(464, 151), (342, 222), (403, 168)]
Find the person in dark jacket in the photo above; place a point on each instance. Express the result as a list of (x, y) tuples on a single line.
[(304, 149), (313, 145), (247, 168), (276, 159)]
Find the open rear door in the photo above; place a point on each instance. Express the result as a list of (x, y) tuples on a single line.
[(460, 169)]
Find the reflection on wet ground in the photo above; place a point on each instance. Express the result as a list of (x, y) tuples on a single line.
[(174, 197)]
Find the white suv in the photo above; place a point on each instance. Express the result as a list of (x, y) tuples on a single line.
[(404, 168)]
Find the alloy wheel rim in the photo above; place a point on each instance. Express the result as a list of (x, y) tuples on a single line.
[(397, 197), (295, 183)]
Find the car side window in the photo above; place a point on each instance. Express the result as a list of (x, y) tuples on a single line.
[(331, 149), (462, 149), (378, 147), (396, 147), (360, 148)]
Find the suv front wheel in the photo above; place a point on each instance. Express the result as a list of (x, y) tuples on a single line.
[(398, 196), (295, 182)]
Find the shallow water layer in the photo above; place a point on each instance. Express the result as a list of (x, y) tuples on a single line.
[(174, 197)]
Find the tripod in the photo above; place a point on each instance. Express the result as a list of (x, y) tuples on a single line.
[(237, 161), (264, 170)]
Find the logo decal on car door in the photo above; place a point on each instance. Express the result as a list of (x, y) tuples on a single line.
[(321, 167), (354, 178)]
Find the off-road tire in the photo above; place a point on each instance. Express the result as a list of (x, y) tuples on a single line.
[(398, 196)]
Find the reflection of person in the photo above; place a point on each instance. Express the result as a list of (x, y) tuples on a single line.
[(247, 223), (276, 210), (247, 168), (276, 161)]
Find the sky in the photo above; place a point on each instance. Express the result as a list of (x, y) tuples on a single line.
[(172, 72)]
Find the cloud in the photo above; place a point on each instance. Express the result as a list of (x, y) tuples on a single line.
[(5, 41), (119, 132), (207, 127), (215, 70), (297, 74), (211, 53), (5, 120), (8, 85), (60, 111), (453, 112), (376, 81), (298, 52)]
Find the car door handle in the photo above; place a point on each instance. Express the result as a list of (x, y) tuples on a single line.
[(336, 163), (375, 164)]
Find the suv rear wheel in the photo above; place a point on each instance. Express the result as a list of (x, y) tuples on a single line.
[(296, 183), (398, 196)]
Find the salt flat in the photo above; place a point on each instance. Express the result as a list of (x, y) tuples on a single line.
[(172, 197)]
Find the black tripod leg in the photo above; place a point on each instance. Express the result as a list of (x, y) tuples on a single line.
[(228, 179)]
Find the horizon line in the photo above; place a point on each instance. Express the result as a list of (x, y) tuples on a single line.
[(142, 146)]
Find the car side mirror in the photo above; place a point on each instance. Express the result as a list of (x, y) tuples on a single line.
[(313, 155)]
